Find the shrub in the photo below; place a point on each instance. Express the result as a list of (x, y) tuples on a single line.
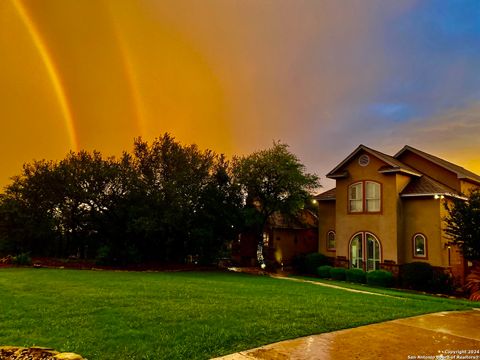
[(416, 275), (380, 278), (424, 277), (356, 276), (22, 259), (324, 271), (337, 273), (308, 263)]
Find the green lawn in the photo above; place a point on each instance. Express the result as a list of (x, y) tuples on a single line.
[(191, 315)]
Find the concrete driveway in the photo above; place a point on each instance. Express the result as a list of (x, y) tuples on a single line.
[(439, 336)]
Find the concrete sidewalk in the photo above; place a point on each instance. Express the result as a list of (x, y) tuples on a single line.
[(442, 336)]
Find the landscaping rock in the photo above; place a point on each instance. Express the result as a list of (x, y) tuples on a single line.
[(7, 260), (35, 353)]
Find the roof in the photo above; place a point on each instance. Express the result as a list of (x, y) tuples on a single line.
[(426, 186), (327, 195), (305, 219), (393, 164), (461, 172)]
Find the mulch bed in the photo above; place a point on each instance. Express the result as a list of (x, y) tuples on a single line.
[(35, 353)]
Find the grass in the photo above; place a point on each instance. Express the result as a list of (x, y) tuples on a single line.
[(191, 315)]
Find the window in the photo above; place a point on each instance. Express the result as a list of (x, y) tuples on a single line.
[(355, 197), (367, 260), (331, 240), (356, 254), (373, 253), (372, 196), (364, 196), (419, 246)]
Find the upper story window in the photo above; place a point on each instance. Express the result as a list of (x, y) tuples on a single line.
[(331, 241), (355, 197), (419, 246), (372, 196), (364, 196)]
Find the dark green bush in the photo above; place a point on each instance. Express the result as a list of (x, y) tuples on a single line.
[(337, 273), (424, 277), (380, 278), (356, 276), (308, 263), (416, 275), (324, 271), (23, 259)]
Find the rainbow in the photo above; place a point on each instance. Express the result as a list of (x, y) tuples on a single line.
[(51, 70)]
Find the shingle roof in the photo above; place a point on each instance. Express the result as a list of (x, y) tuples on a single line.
[(305, 219), (393, 164), (461, 172), (327, 195), (427, 186)]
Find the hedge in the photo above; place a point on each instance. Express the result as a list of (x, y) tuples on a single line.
[(324, 271), (337, 273), (380, 278), (356, 276)]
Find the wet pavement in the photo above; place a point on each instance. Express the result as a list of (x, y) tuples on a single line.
[(439, 336)]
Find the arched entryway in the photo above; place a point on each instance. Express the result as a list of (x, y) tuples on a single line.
[(365, 251)]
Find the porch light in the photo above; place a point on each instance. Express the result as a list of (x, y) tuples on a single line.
[(437, 196)]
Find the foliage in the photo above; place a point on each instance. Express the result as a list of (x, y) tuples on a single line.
[(174, 315), (22, 259), (424, 277), (356, 276), (472, 284), (272, 180), (380, 278), (463, 224), (338, 273), (163, 202), (416, 275), (308, 263), (324, 271)]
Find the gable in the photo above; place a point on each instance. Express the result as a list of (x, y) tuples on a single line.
[(362, 156)]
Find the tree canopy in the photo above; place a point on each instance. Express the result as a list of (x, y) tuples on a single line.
[(272, 180), (463, 225), (162, 202)]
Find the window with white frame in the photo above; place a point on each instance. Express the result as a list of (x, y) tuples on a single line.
[(331, 240), (364, 196), (372, 196), (355, 197), (419, 246)]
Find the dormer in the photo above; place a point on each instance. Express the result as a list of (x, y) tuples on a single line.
[(454, 176)]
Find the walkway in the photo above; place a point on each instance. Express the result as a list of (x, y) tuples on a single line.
[(439, 336)]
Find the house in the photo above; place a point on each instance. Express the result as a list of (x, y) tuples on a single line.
[(388, 210), (284, 237)]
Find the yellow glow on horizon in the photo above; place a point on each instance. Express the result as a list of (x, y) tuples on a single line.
[(51, 70)]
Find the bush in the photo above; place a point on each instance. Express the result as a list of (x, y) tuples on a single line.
[(416, 275), (324, 271), (356, 276), (380, 278), (308, 263), (22, 259), (424, 277), (338, 273)]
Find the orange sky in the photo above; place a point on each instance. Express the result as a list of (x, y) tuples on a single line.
[(227, 75)]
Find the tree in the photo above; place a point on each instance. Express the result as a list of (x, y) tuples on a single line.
[(463, 225), (272, 180)]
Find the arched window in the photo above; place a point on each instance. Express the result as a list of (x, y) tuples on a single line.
[(331, 240), (356, 253), (365, 252), (373, 253), (419, 246), (365, 196)]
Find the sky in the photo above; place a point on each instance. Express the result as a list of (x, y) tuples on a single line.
[(320, 75)]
